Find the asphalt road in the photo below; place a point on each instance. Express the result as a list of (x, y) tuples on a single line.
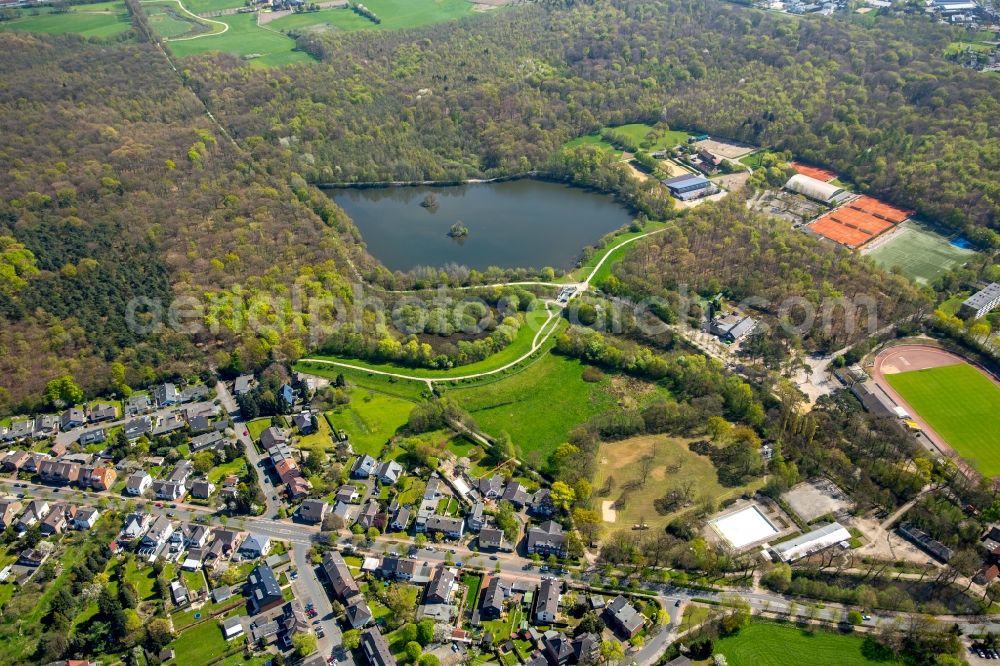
[(243, 433)]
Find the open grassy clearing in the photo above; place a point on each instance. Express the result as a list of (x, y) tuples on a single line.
[(406, 389), (205, 6), (764, 644), (616, 254), (961, 404), (542, 403), (104, 19), (637, 132), (643, 469), (244, 39), (919, 252), (236, 466), (172, 21), (395, 15), (370, 420)]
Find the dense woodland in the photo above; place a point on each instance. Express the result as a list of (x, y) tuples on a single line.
[(498, 95)]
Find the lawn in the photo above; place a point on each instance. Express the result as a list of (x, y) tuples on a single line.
[(637, 132), (920, 252), (370, 420), (670, 464), (144, 580), (219, 472), (402, 388), (201, 644), (244, 39), (960, 403), (395, 14), (258, 426), (616, 254), (104, 19), (472, 583), (537, 406), (322, 439), (763, 644), (205, 6)]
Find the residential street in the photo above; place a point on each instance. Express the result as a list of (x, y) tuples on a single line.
[(257, 460)]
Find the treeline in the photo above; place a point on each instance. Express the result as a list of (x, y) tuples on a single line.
[(500, 94)]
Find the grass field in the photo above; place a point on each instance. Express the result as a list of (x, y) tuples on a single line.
[(660, 464), (201, 644), (617, 253), (763, 644), (258, 426), (637, 131), (395, 15), (401, 388), (244, 39), (204, 6), (169, 20), (541, 404), (921, 253), (961, 404), (104, 19), (370, 420), (216, 474)]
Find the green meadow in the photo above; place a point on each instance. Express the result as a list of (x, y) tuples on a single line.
[(104, 19)]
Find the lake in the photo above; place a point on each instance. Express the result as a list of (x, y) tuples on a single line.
[(521, 223)]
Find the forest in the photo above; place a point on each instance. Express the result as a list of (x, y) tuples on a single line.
[(490, 96)]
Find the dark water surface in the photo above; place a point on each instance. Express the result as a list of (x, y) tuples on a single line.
[(522, 223)]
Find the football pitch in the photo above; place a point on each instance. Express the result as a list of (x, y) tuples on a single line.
[(961, 404), (921, 253)]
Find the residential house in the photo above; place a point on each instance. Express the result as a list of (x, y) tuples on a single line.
[(13, 461), (169, 490), (293, 620), (313, 511), (376, 648), (400, 518), (557, 647), (255, 546), (92, 437), (99, 478), (102, 412), (208, 440), (243, 384), (451, 528), (441, 589), (85, 518), (72, 418), (195, 536), (169, 423), (345, 513), (32, 557), (516, 494), (166, 395), (491, 488), (57, 449), (547, 539), (272, 437), (363, 467), (192, 393), (547, 601), (10, 509), (369, 514), (347, 493), (136, 428), (732, 327), (494, 595), (623, 617), (389, 472), (475, 517), (44, 426), (178, 592), (492, 539), (541, 503), (157, 535), (586, 648), (263, 591), (138, 483), (232, 628), (200, 424), (59, 473), (339, 575), (221, 593), (20, 430), (397, 568), (136, 525), (224, 544), (138, 404), (305, 423), (58, 519), (202, 489), (286, 394)]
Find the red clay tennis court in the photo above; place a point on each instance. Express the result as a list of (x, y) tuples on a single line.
[(864, 221), (881, 209), (830, 228), (813, 172)]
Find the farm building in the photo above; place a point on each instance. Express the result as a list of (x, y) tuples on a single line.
[(813, 188), (982, 302), (687, 187), (812, 542)]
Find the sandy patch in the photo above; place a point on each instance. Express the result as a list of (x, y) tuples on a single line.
[(731, 149), (608, 514)]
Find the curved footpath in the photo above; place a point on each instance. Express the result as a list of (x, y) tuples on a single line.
[(536, 343), (225, 26)]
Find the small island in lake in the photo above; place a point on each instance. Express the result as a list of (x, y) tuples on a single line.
[(458, 230), (430, 202)]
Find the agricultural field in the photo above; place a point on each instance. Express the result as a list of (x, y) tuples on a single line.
[(103, 19), (370, 420), (395, 15), (540, 404), (920, 252), (636, 472), (961, 404), (245, 39), (763, 644)]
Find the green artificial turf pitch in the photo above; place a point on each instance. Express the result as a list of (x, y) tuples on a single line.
[(961, 404)]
